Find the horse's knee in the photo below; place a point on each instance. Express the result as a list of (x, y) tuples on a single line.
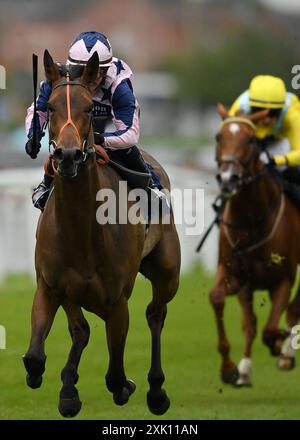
[(156, 315), (250, 329), (166, 288), (81, 334), (252, 334), (217, 298)]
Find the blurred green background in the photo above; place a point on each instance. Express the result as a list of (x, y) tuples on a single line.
[(190, 360)]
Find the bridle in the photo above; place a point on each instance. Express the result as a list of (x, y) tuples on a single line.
[(244, 178), (221, 200), (84, 147)]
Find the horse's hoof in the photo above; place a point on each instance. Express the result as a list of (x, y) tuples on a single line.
[(34, 367), (230, 376), (243, 381), (131, 386), (285, 363), (122, 397), (158, 403), (34, 381), (69, 407)]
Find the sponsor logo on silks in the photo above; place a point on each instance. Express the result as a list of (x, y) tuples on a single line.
[(276, 259), (2, 77), (2, 338)]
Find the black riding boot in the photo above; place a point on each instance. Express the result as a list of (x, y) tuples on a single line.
[(132, 158), (41, 193)]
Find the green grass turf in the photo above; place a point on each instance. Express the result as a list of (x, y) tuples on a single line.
[(190, 361)]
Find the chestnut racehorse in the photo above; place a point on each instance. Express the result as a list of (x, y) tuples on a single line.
[(83, 264), (259, 245)]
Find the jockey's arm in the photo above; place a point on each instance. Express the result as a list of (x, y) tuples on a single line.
[(125, 111), (291, 131), (42, 101)]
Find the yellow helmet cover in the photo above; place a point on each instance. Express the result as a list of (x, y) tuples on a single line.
[(267, 91)]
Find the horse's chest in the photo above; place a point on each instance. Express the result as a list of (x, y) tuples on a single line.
[(261, 271)]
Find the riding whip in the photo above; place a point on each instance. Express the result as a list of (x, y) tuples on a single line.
[(35, 73), (219, 209)]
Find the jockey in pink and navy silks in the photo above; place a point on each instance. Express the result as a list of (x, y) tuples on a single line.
[(113, 100)]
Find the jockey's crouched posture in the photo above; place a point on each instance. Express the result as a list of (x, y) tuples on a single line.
[(113, 98), (279, 130)]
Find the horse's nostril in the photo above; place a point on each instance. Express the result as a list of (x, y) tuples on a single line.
[(58, 155), (234, 178), (78, 156)]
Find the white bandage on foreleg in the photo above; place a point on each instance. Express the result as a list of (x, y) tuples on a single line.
[(287, 349), (245, 366)]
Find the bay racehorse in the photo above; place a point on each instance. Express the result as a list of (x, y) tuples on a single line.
[(83, 264), (259, 245)]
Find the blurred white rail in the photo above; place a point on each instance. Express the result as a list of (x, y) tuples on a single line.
[(18, 218)]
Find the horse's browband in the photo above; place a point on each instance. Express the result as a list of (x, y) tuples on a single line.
[(238, 119), (70, 83)]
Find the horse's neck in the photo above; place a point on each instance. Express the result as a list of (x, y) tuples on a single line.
[(255, 201), (75, 206)]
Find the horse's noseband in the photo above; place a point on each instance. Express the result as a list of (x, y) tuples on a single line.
[(243, 178), (85, 148), (84, 144)]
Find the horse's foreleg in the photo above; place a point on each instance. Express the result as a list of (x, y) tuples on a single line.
[(229, 371), (116, 330), (43, 312), (272, 335), (249, 326), (158, 401), (287, 359), (69, 403), (162, 267)]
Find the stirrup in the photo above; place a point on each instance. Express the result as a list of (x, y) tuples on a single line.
[(158, 194)]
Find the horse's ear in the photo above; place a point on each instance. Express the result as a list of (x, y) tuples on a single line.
[(222, 110), (51, 69), (91, 70), (259, 115)]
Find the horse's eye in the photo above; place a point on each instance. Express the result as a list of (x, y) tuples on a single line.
[(50, 109), (218, 137)]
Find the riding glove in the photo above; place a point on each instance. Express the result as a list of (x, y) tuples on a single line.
[(32, 147), (99, 138)]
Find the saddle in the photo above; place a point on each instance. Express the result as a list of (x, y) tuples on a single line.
[(134, 178)]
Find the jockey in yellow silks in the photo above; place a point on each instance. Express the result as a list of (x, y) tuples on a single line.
[(281, 127)]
